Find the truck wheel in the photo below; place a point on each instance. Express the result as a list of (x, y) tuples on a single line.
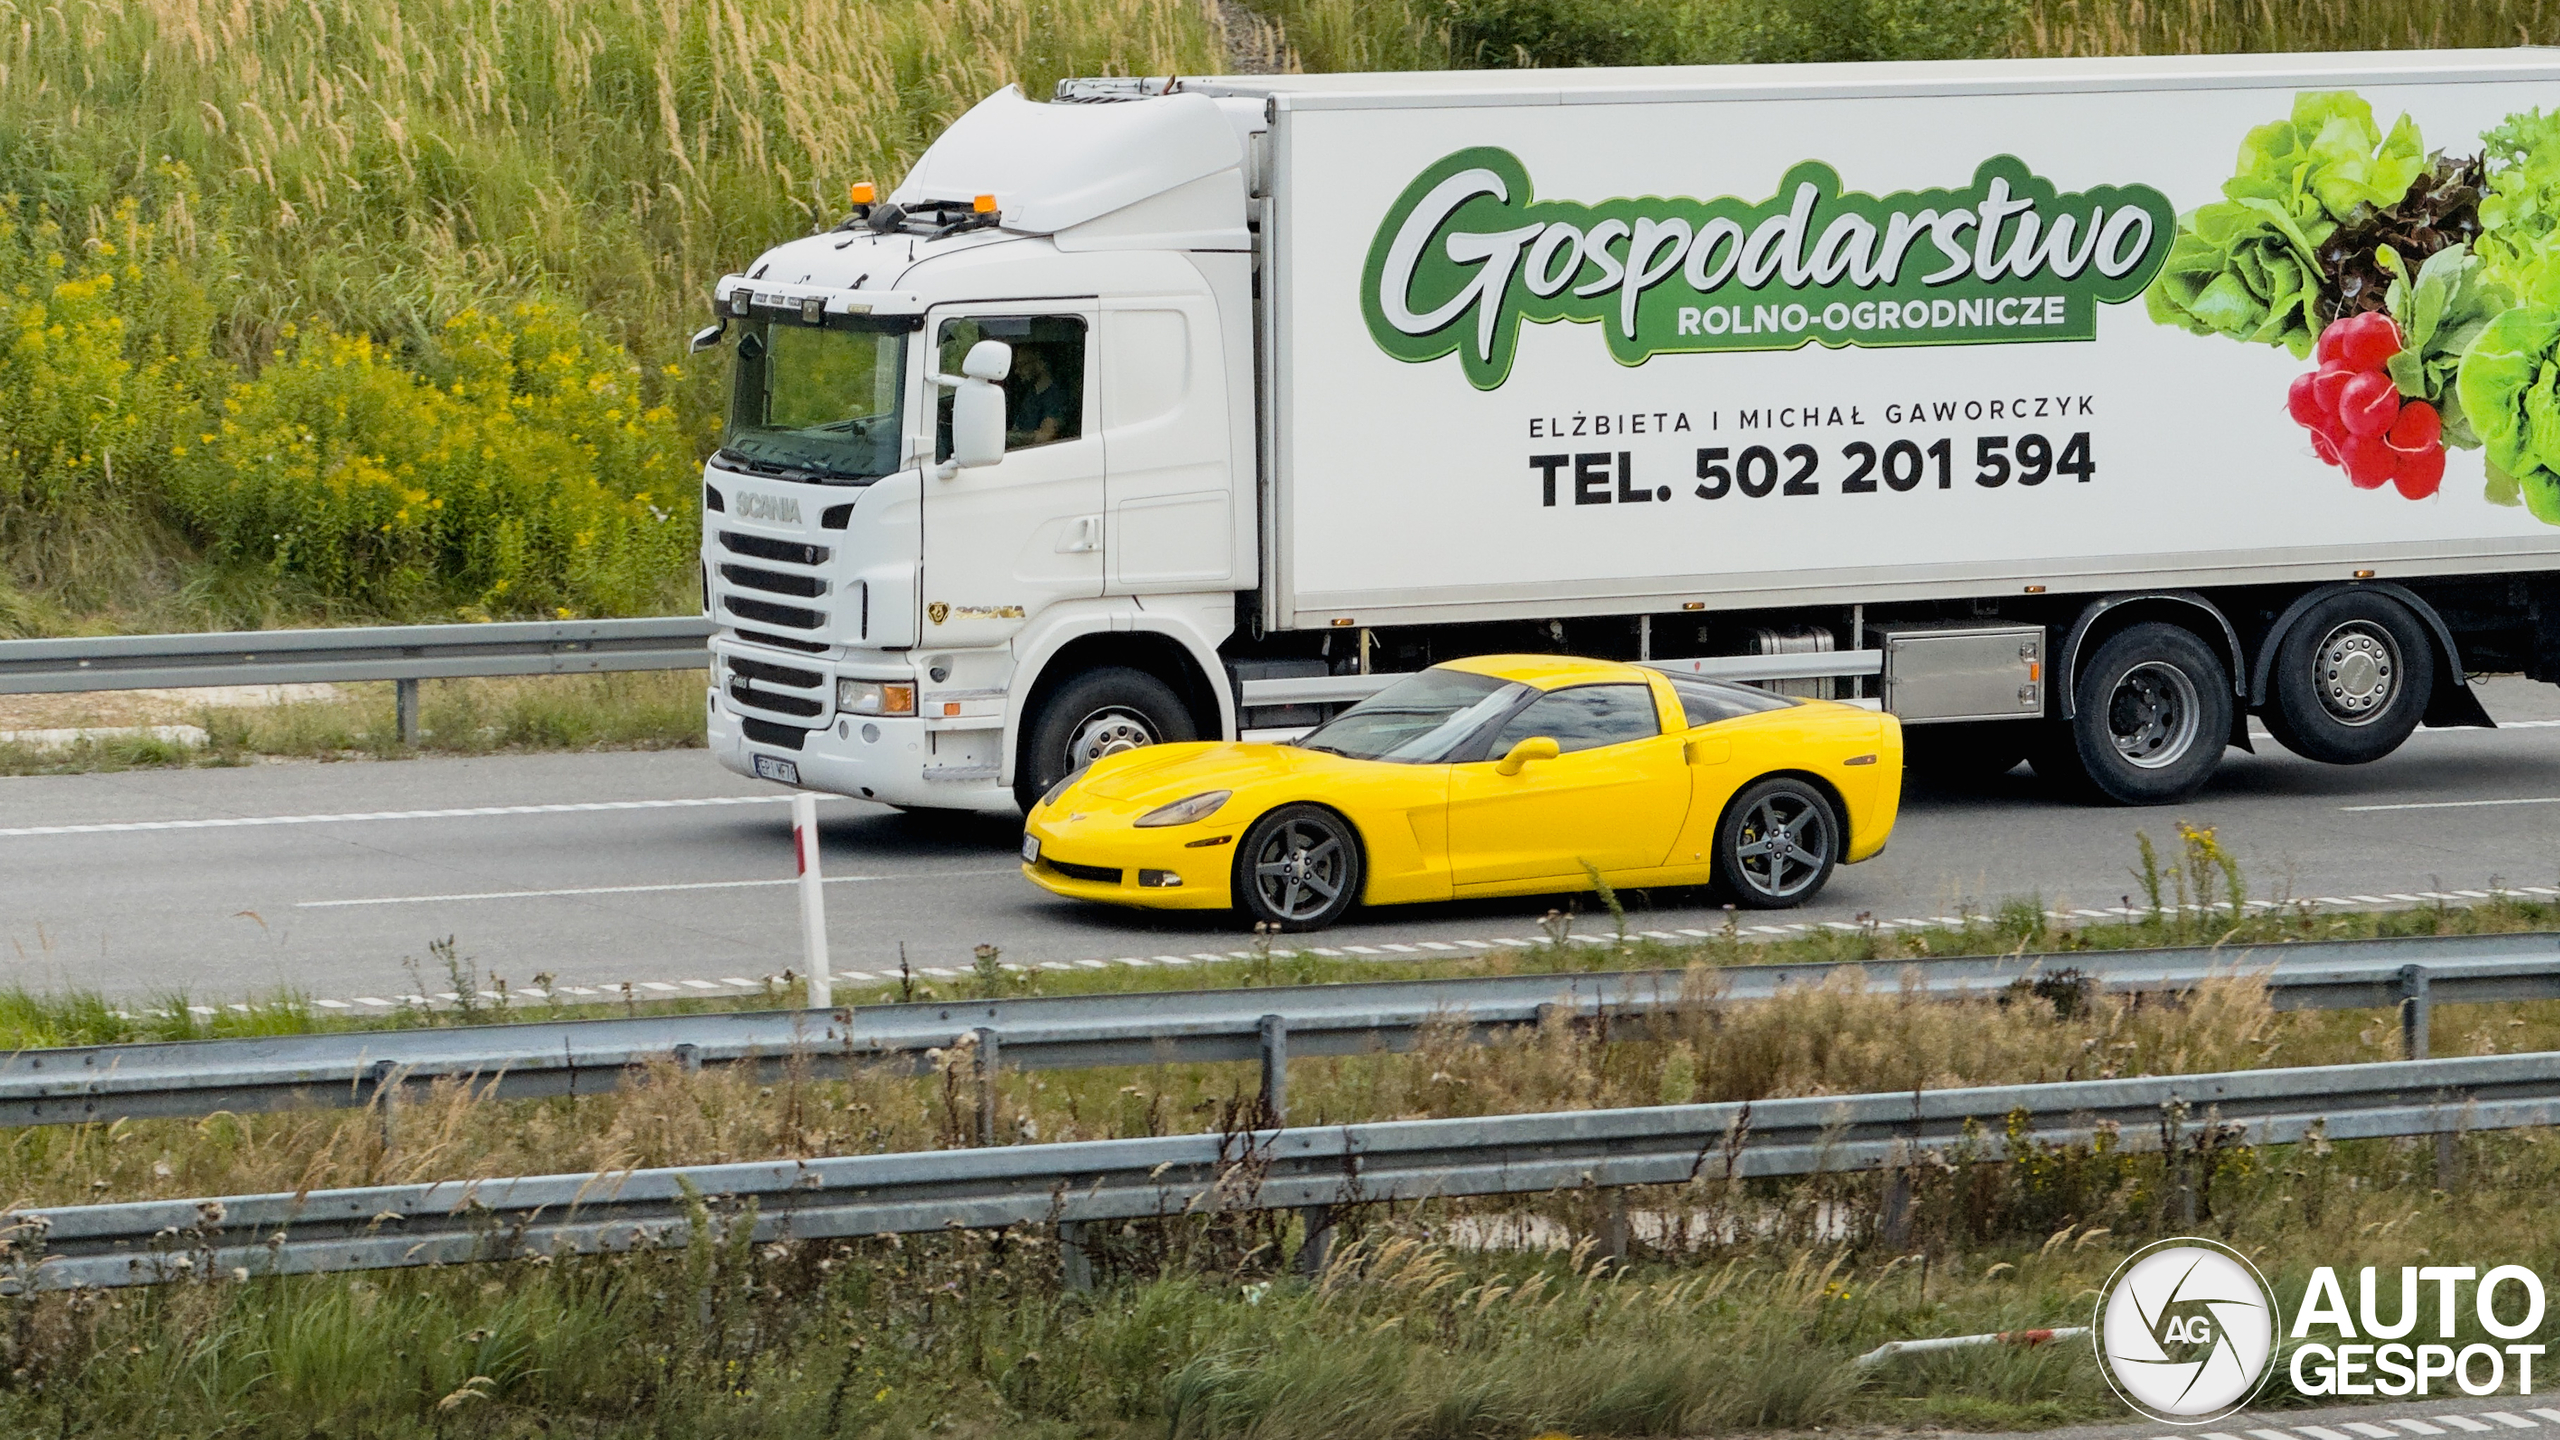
[(1101, 712), (1299, 868), (1776, 844), (2352, 678), (2154, 713)]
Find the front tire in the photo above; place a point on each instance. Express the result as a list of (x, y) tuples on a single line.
[(1101, 712), (1777, 844), (2352, 679), (1299, 868), (2154, 714)]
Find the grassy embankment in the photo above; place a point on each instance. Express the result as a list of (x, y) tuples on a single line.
[(1743, 1313)]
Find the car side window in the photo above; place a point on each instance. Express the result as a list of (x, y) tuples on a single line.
[(1704, 702), (1584, 717), (1044, 393)]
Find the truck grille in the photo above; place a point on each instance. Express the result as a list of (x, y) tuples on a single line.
[(776, 674), (771, 614), (751, 688), (765, 732), (760, 547), (773, 580), (748, 695), (782, 642)]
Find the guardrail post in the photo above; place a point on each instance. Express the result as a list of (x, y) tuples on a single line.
[(386, 1094), (1614, 1227), (1893, 1225), (1075, 1263), (813, 901), (1317, 1247), (404, 710), (2449, 1142), (1275, 1069), (689, 1059), (2417, 1012), (988, 1056)]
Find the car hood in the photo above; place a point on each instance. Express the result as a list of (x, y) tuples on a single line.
[(1162, 774)]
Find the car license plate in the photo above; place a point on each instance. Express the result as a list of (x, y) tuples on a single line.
[(1030, 849), (773, 767)]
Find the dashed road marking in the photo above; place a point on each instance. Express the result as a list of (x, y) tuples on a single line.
[(233, 822)]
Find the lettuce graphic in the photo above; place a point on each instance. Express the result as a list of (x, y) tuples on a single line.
[(2520, 216), (2446, 306), (2249, 265), (2509, 382)]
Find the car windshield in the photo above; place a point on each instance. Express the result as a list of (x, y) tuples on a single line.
[(823, 403), (1418, 720)]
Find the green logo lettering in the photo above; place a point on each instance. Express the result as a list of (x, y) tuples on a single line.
[(1467, 253)]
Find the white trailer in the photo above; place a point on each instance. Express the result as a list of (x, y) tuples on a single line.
[(1182, 408)]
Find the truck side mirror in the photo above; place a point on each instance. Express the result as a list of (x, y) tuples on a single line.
[(706, 337), (1536, 747), (977, 407)]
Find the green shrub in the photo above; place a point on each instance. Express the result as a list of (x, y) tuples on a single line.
[(524, 470)]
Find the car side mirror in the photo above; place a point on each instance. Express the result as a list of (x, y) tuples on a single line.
[(1536, 747), (977, 407)]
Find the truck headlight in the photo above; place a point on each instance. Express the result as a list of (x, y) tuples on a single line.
[(1183, 812), (875, 697)]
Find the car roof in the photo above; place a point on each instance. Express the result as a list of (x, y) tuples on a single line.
[(1549, 672)]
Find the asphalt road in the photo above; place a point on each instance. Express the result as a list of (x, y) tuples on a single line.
[(660, 869)]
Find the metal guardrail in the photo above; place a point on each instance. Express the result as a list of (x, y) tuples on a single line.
[(406, 654), (585, 1057), (1329, 1166)]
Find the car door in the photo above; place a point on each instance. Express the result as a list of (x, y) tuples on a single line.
[(1615, 797), (1003, 541)]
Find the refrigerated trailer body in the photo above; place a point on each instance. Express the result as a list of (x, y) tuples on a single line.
[(1185, 408)]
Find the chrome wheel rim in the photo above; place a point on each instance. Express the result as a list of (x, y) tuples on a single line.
[(2152, 716), (1300, 869), (1107, 731), (2356, 671), (1784, 845)]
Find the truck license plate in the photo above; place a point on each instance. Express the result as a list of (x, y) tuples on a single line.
[(1030, 849), (775, 768)]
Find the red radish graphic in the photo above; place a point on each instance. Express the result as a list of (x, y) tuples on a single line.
[(2357, 417)]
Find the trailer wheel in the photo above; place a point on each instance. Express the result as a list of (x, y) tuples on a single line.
[(2153, 715), (1776, 844), (1299, 868), (1101, 712), (2351, 679)]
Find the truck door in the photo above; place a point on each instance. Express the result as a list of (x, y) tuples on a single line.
[(1003, 541), (1615, 797), (1172, 525)]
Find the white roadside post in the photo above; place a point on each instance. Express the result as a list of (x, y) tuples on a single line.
[(813, 900)]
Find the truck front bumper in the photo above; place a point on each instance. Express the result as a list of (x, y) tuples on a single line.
[(884, 758)]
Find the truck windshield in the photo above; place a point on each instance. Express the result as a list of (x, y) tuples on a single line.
[(1418, 720), (820, 403)]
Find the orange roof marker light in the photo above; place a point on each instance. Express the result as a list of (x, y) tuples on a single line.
[(985, 205), (864, 194)]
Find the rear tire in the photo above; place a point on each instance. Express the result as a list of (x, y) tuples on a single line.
[(1777, 844), (2351, 679), (1298, 868), (2154, 715), (1101, 712)]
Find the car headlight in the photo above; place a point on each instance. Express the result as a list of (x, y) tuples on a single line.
[(875, 697), (1061, 787), (1183, 812)]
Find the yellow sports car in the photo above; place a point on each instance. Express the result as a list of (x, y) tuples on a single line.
[(1499, 775)]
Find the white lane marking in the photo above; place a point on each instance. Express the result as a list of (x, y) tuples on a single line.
[(2419, 1427), (2320, 1432), (2444, 805), (2465, 1423), (1094, 964), (751, 984), (2221, 1435), (2512, 1422), (628, 889), (2551, 1415), (698, 984), (656, 985), (2269, 1435), (330, 1004), (2367, 1427), (232, 822)]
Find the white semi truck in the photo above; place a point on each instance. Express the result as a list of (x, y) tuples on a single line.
[(2033, 401)]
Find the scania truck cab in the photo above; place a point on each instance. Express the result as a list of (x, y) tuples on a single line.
[(985, 500)]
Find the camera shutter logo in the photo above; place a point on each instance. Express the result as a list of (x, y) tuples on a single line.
[(2186, 1331)]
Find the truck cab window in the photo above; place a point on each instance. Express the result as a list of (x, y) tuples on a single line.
[(1043, 396)]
